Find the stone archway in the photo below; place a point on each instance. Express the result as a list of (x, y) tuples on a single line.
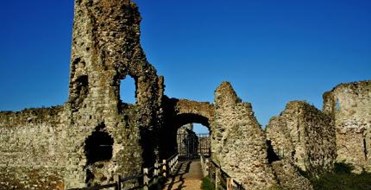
[(179, 112)]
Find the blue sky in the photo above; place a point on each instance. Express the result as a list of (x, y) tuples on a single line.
[(271, 51)]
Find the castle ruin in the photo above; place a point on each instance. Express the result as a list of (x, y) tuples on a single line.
[(95, 136)]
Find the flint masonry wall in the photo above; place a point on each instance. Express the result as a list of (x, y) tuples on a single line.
[(349, 105), (32, 144), (238, 141), (60, 147), (105, 50), (304, 136)]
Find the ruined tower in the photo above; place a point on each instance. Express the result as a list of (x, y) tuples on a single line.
[(94, 136), (106, 50)]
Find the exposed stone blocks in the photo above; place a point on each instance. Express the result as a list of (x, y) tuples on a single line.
[(289, 177), (32, 144), (304, 136), (238, 141), (349, 105)]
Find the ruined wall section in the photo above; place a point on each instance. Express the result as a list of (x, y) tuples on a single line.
[(349, 105), (238, 143), (105, 50), (31, 145), (304, 136), (289, 177)]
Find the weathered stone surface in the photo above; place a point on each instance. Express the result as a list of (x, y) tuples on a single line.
[(349, 105), (105, 50), (95, 136), (189, 107), (304, 136), (31, 179), (178, 112), (238, 141), (289, 177)]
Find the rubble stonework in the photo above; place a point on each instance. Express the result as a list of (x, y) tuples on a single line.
[(289, 177), (95, 136), (349, 105), (304, 136), (105, 50), (238, 141), (179, 112)]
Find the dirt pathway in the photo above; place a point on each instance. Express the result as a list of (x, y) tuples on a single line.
[(188, 176)]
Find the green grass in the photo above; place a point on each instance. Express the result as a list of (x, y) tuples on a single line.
[(342, 179), (207, 184)]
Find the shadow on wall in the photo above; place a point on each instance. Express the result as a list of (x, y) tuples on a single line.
[(98, 148)]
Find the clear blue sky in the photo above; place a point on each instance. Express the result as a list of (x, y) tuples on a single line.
[(271, 51)]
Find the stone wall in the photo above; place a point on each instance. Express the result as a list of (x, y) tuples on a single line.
[(304, 136), (95, 136), (289, 177), (349, 105), (238, 141), (105, 50), (32, 144), (179, 112)]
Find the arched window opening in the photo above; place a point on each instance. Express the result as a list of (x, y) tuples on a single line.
[(128, 90)]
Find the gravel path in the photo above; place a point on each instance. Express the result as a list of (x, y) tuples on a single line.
[(188, 176)]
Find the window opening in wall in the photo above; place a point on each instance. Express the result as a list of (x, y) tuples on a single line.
[(98, 151), (98, 146), (128, 90)]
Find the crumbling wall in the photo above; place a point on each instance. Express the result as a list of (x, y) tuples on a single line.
[(304, 136), (105, 50), (238, 141), (32, 145), (289, 177), (349, 105)]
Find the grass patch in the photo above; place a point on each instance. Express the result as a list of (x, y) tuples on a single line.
[(207, 184), (342, 179)]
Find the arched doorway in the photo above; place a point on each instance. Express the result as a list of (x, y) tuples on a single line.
[(98, 152), (180, 136)]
